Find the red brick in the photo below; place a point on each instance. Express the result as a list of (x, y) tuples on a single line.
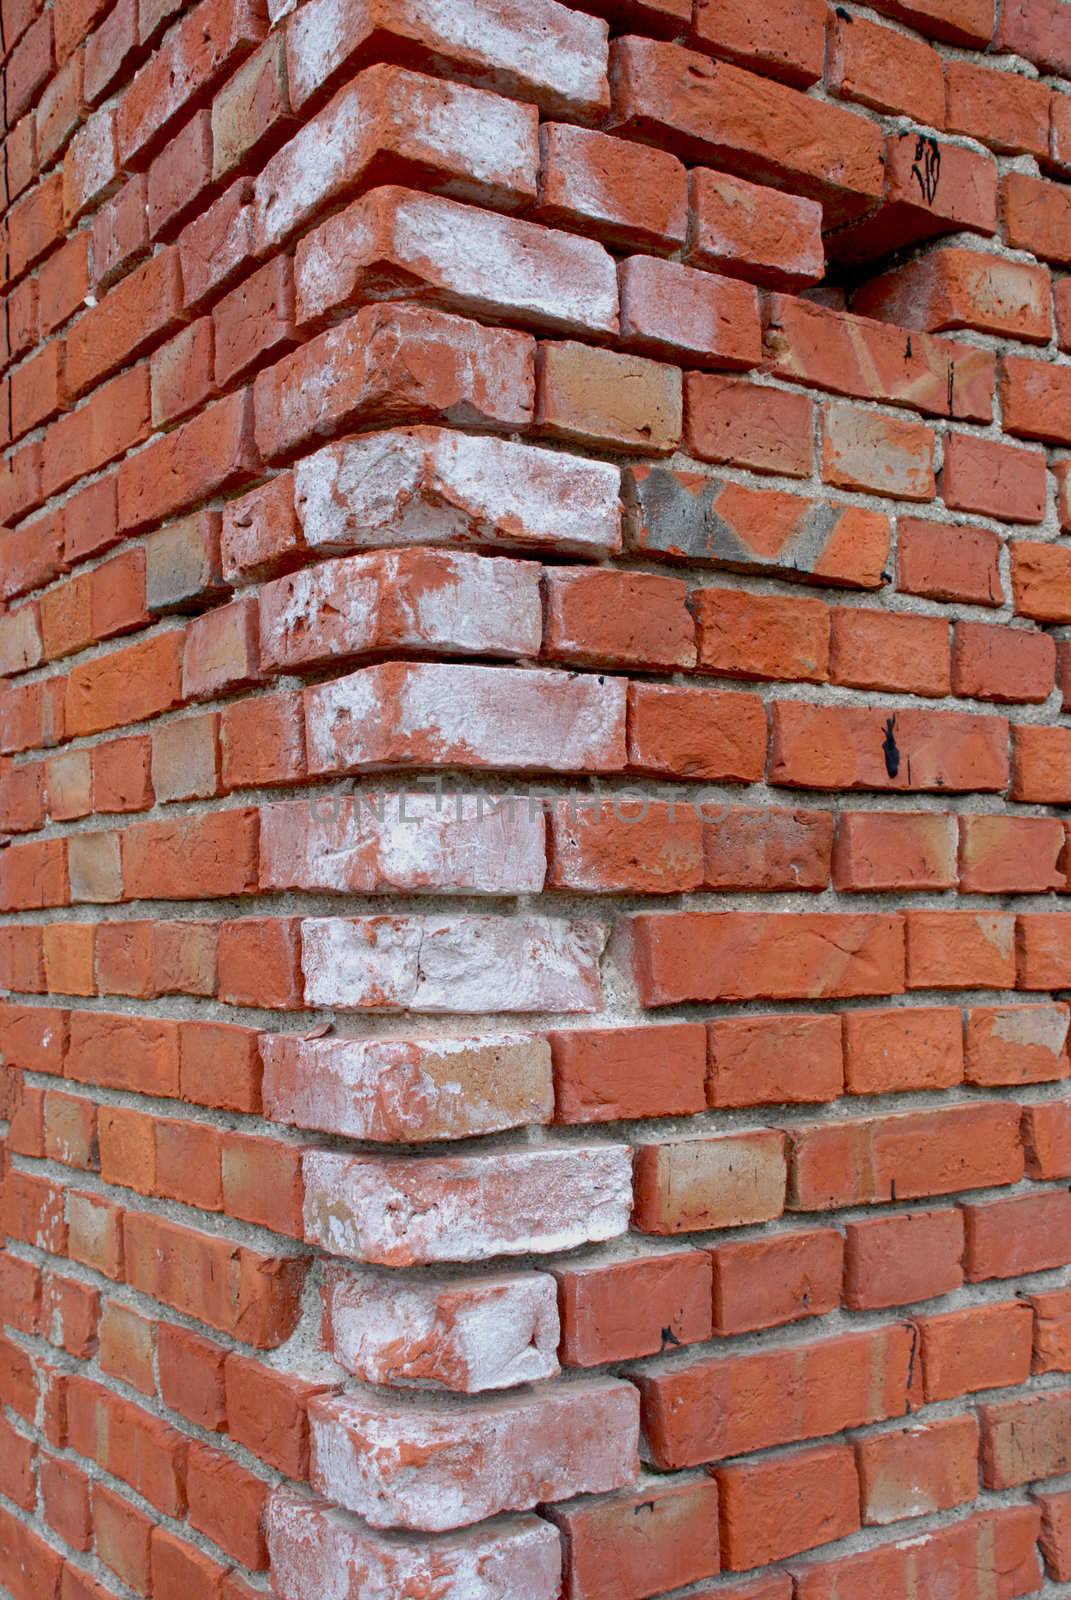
[(179, 176), (259, 963), (109, 49), (1011, 855), (635, 1307), (1035, 215), (904, 1157), (192, 858), (220, 1065), (27, 68), (866, 451), (182, 1572), (625, 193), (1041, 580), (232, 1288), (181, 373), (717, 1407), (195, 55), (262, 741), (1039, 30), (127, 685), (127, 1344), (1055, 1538), (676, 311), (898, 1260), (199, 457), (600, 397), (779, 41), (766, 848), (764, 1283), (128, 1442), (659, 1536), (65, 1501), (696, 733), (1025, 1438), (909, 1048), (226, 1502), (845, 747), (123, 1534), (932, 187), (121, 226), (250, 108), (767, 237), (878, 850), (741, 956), (652, 848), (785, 1504), (886, 70), (183, 958), (747, 635), (29, 1567), (1041, 765), (984, 1347), (96, 1233), (221, 651), (215, 247), (17, 1478), (601, 618), (191, 1376), (1052, 1327), (953, 288), (960, 950), (889, 650), (867, 360), (262, 1182), (1004, 664), (774, 1060), (267, 1412), (710, 111), (724, 1181), (748, 425), (1043, 951), (1007, 1238), (254, 321), (610, 1074), (918, 1470), (1005, 110)]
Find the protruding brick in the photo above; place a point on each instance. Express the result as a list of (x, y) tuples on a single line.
[(497, 717), (405, 1090), (463, 1335), (312, 1542), (430, 486), (402, 1211), (403, 1466)]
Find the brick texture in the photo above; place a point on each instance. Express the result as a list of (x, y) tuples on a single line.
[(535, 764)]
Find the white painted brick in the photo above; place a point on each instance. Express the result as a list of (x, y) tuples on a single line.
[(452, 964), (404, 1090), (426, 485), (464, 1334), (413, 1210), (320, 1553)]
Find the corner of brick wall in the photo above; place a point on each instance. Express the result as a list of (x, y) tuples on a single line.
[(536, 591)]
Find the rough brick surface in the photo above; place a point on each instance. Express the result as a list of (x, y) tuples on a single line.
[(535, 573)]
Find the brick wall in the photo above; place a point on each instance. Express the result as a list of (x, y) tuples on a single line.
[(536, 560)]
